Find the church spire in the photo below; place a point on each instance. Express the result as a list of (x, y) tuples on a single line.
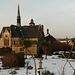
[(18, 17), (18, 10)]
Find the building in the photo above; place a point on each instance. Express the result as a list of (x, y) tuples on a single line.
[(73, 41), (49, 37), (64, 40), (12, 35)]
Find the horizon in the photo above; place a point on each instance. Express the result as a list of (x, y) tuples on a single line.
[(57, 16)]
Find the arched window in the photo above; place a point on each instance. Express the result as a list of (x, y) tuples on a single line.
[(6, 40)]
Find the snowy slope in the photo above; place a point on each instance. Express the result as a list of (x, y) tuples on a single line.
[(53, 64)]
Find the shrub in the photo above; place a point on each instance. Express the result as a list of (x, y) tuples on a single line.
[(5, 50), (13, 60), (21, 60), (9, 60)]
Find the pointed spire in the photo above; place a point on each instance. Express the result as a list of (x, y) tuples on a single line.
[(18, 11), (18, 17)]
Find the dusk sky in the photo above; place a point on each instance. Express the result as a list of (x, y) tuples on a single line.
[(56, 15)]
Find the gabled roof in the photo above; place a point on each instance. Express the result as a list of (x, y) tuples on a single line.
[(30, 31), (4, 28), (50, 38), (8, 28), (23, 31)]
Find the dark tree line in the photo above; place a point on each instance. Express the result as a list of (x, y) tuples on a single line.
[(57, 46)]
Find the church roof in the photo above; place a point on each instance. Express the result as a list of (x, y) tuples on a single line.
[(23, 31), (30, 31), (15, 31), (8, 28)]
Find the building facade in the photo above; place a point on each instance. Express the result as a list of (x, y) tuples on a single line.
[(12, 35)]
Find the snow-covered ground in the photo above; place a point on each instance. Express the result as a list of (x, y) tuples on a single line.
[(53, 64)]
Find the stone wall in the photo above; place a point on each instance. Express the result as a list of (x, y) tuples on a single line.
[(17, 47), (14, 43), (4, 34)]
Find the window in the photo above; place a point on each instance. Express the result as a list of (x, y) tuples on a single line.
[(14, 42), (6, 41), (19, 42), (21, 49)]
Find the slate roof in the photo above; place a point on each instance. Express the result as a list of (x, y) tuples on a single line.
[(15, 31), (23, 31), (30, 31), (50, 38)]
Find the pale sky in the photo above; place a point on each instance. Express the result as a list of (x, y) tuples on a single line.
[(56, 15)]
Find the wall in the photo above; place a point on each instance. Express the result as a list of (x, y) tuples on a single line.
[(17, 46), (6, 33), (0, 42)]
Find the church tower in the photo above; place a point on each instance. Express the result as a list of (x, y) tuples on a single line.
[(18, 17), (32, 23)]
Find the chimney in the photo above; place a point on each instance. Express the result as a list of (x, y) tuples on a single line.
[(42, 28), (47, 31)]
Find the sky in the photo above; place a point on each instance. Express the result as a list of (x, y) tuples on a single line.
[(56, 15)]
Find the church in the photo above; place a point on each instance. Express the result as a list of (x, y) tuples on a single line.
[(12, 35)]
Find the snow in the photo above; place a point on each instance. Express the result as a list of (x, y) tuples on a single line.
[(53, 64)]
